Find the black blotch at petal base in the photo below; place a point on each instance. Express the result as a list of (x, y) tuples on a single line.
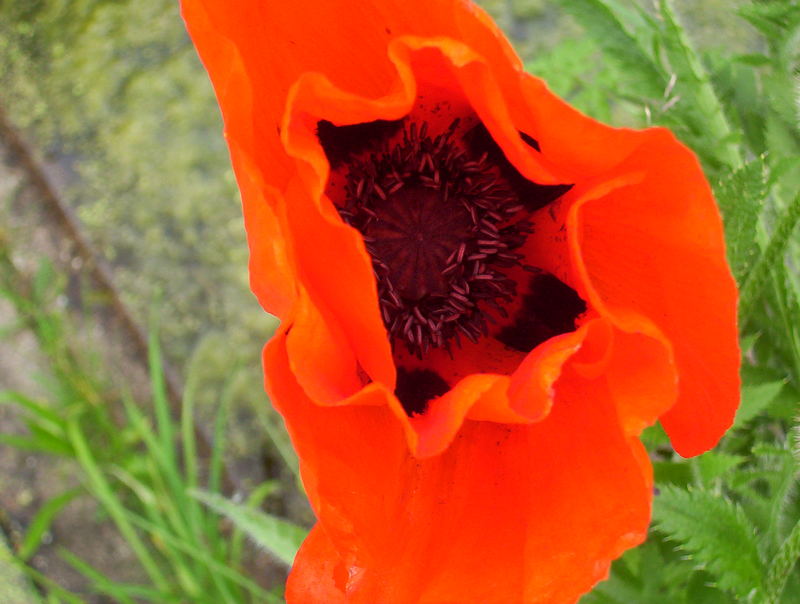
[(416, 387), (549, 308)]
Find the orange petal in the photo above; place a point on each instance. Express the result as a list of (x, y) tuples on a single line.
[(508, 513), (642, 380), (338, 278), (524, 397), (322, 361), (653, 258), (272, 270), (575, 146), (263, 47), (322, 583)]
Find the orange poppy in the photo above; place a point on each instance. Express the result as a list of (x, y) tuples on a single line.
[(485, 297)]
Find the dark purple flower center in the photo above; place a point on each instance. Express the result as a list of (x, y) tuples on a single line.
[(444, 217), (442, 227)]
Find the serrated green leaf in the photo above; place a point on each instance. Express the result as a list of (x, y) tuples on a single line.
[(274, 534), (718, 534), (785, 404), (760, 386), (755, 279), (605, 27), (700, 590), (677, 473), (740, 195), (776, 20), (713, 464), (704, 108), (781, 565)]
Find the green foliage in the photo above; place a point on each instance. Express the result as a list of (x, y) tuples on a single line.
[(133, 468), (717, 532), (772, 256), (726, 523), (281, 538), (42, 522), (741, 195), (607, 27), (704, 116)]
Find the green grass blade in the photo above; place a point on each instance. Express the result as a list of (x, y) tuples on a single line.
[(105, 494), (26, 443), (101, 583), (217, 460), (168, 506), (189, 478), (211, 564), (161, 406), (53, 588), (278, 536), (173, 504), (42, 522), (56, 444), (39, 410)]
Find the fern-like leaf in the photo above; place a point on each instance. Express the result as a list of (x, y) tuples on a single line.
[(741, 197), (604, 25), (754, 281), (717, 533)]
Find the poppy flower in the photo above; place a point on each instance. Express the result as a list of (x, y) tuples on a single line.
[(485, 297)]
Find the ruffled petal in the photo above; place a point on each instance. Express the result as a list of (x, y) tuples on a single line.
[(338, 278), (524, 397), (322, 361), (508, 513), (272, 43), (273, 279), (652, 254)]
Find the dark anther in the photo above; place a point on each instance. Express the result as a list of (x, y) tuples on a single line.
[(533, 196), (416, 388), (529, 140), (340, 143), (549, 308)]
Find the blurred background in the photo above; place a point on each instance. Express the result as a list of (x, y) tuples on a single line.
[(127, 326)]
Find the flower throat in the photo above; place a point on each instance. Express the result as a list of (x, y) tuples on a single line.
[(442, 218)]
